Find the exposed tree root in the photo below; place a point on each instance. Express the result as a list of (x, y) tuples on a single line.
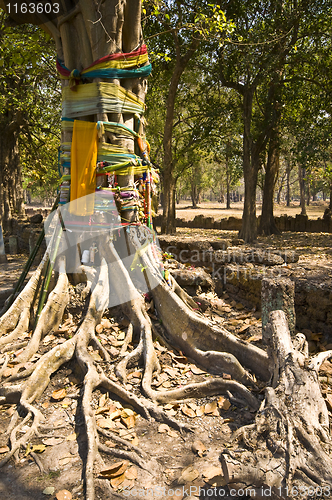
[(211, 347), (290, 438), (16, 316), (51, 315)]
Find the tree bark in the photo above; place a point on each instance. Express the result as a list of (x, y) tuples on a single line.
[(251, 164), (11, 192), (288, 184), (267, 223), (228, 178), (302, 190), (168, 225)]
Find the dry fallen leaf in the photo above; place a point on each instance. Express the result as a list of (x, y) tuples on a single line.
[(255, 338), (172, 433), (116, 470), (163, 428), (135, 441), (59, 394), (105, 423), (99, 328), (200, 411), (48, 339), (127, 484), (72, 437), (211, 409), (115, 414), (188, 474), (212, 471), (52, 441), (117, 481), (4, 449), (199, 448), (63, 495), (223, 403), (121, 335), (196, 370), (217, 480), (103, 409), (106, 323), (110, 444), (64, 460), (188, 411), (127, 412), (49, 490), (129, 421), (131, 473), (102, 400)]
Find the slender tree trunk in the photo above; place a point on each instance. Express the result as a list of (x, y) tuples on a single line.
[(288, 184), (281, 188), (330, 205), (168, 224), (302, 190), (194, 195), (267, 224), (228, 179)]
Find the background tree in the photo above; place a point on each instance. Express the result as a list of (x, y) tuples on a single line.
[(27, 83), (252, 61), (178, 33)]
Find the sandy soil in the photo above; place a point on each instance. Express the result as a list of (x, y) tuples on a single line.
[(218, 210)]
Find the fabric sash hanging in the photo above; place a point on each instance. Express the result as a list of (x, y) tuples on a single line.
[(83, 168), (121, 65)]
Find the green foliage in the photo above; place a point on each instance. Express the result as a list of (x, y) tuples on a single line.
[(30, 102)]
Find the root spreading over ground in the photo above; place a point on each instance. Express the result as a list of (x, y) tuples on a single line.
[(289, 442)]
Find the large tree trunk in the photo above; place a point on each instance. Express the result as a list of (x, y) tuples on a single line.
[(168, 225), (251, 164), (11, 192), (267, 223)]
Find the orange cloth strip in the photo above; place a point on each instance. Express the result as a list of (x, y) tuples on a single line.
[(83, 167)]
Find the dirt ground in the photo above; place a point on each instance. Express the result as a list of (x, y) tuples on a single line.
[(186, 463), (219, 211)]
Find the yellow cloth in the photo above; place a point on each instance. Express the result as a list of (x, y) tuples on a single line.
[(83, 167), (131, 62), (100, 89)]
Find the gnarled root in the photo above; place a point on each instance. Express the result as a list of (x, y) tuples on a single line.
[(17, 316), (191, 333), (51, 314), (290, 438)]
